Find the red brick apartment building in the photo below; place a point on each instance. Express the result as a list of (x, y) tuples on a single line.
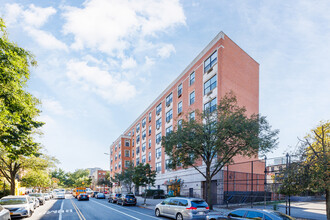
[(220, 67)]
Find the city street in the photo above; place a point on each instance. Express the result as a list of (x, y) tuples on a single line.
[(72, 209)]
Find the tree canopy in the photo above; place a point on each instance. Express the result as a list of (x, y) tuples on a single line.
[(216, 136)]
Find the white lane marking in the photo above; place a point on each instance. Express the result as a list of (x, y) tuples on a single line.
[(139, 213), (117, 210), (61, 211)]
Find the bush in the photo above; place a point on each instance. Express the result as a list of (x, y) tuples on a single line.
[(154, 193)]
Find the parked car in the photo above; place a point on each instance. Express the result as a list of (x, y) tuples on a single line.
[(82, 196), (245, 213), (114, 197), (36, 202), (94, 193), (39, 196), (18, 206), (182, 208), (46, 195), (59, 195), (4, 213), (100, 196), (126, 199)]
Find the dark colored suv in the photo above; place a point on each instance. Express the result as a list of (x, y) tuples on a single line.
[(126, 199), (114, 197)]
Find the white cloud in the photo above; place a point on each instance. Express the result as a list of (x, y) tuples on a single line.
[(55, 107), (37, 16), (31, 20), (101, 82), (113, 26), (46, 39), (166, 50), (128, 63)]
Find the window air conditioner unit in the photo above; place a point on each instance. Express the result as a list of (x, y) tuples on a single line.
[(179, 95), (209, 93), (210, 70), (179, 113)]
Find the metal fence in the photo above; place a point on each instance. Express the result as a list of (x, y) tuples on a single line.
[(257, 182)]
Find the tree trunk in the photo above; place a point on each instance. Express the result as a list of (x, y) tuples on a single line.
[(145, 196), (327, 198), (208, 193), (12, 187)]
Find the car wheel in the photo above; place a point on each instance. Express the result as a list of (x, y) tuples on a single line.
[(157, 212), (179, 216)]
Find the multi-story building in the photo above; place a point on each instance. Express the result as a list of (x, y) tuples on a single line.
[(222, 66), (96, 176)]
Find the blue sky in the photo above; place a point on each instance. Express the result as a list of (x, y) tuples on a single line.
[(102, 62)]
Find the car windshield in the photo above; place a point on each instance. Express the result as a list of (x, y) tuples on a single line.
[(35, 194), (282, 216), (130, 196), (13, 201), (199, 204), (100, 194), (118, 195)]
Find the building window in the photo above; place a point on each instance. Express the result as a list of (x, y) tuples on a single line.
[(126, 163), (158, 166), (179, 107), (169, 99), (167, 164), (149, 116), (158, 123), (149, 157), (133, 132), (133, 142), (143, 159), (158, 137), (179, 124), (210, 84), (169, 130), (180, 90), (169, 115), (192, 116), (137, 128), (129, 133), (115, 166), (149, 145), (115, 156), (211, 106), (126, 153), (192, 98), (137, 150), (138, 139), (133, 153), (119, 154), (126, 143), (115, 147), (209, 62), (158, 152), (192, 78), (159, 108), (144, 121), (149, 130), (144, 134), (119, 164), (119, 145), (137, 161), (143, 147)]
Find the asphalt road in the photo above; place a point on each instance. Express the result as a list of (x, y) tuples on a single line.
[(94, 209)]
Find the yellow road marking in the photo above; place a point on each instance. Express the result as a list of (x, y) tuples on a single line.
[(80, 215)]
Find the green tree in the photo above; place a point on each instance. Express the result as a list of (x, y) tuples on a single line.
[(60, 175), (312, 172), (18, 108), (216, 136), (10, 167), (36, 178), (144, 176), (78, 178)]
